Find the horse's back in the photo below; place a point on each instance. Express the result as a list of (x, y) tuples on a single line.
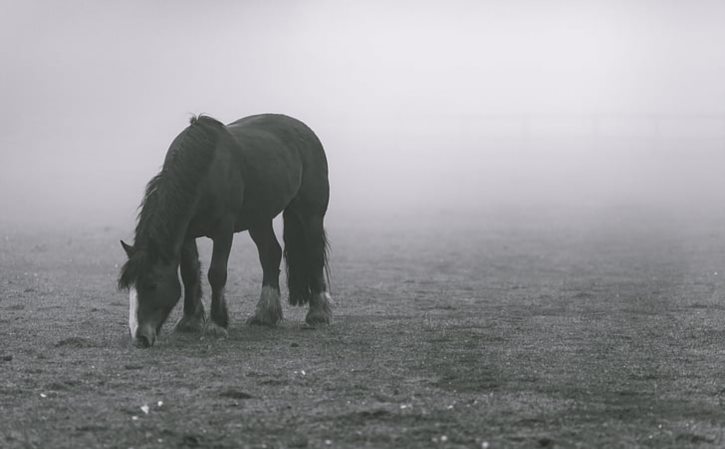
[(288, 130), (284, 160), (294, 136)]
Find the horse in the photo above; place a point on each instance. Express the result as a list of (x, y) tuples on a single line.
[(217, 180)]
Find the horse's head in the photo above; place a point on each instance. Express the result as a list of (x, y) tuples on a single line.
[(154, 290)]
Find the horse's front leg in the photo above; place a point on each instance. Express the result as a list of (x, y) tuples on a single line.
[(219, 315), (193, 319)]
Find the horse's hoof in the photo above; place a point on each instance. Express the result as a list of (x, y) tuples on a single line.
[(190, 324), (320, 311), (270, 319), (214, 330), (317, 317), (254, 320)]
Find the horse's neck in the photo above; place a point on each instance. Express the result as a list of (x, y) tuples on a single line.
[(178, 236), (168, 235)]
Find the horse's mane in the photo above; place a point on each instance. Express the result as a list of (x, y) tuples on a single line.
[(169, 195)]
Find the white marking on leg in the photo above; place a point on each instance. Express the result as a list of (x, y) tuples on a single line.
[(269, 299), (132, 311), (269, 307), (321, 300), (320, 310)]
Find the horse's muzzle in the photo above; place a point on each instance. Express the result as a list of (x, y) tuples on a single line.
[(144, 338)]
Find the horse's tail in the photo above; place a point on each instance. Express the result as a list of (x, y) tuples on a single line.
[(305, 252)]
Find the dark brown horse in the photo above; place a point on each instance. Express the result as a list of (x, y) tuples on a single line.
[(218, 180)]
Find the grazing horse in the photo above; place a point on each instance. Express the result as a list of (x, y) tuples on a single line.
[(218, 180)]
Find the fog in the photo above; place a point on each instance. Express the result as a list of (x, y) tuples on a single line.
[(428, 110)]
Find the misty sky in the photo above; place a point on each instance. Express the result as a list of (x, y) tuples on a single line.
[(399, 92)]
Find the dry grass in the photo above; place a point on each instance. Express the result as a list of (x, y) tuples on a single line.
[(506, 335)]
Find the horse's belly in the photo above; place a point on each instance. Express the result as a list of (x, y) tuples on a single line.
[(261, 208), (272, 180)]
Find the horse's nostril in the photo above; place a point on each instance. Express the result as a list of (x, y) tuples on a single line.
[(142, 341)]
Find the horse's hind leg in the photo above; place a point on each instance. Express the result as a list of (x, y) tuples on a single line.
[(306, 256), (320, 311), (193, 319), (269, 309)]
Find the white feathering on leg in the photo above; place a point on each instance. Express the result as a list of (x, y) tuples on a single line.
[(320, 309), (269, 307), (269, 302)]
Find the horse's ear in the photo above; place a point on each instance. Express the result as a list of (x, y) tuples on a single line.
[(130, 250)]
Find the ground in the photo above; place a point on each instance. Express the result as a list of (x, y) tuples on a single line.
[(601, 330)]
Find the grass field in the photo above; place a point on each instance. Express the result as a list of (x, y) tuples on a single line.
[(591, 330)]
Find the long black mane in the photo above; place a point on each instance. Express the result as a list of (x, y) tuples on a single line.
[(169, 195)]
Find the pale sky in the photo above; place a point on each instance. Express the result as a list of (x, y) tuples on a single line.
[(94, 91)]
